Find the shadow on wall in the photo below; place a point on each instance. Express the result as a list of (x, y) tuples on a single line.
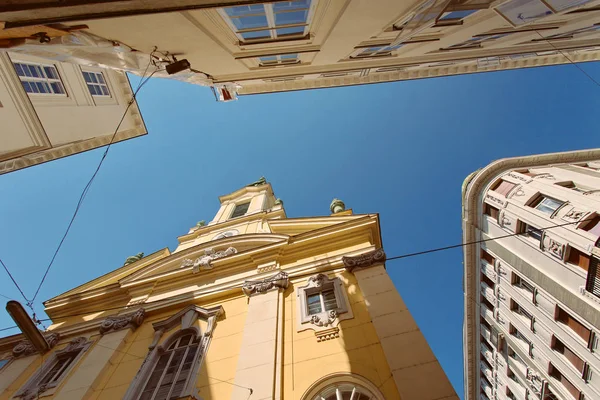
[(356, 351)]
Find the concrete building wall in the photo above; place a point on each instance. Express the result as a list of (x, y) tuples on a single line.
[(520, 288), (39, 127)]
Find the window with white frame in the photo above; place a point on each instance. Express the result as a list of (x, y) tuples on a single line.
[(322, 302), (375, 51), (39, 78), (172, 369), (96, 83), (454, 17), (281, 59), (546, 204), (530, 231), (270, 21)]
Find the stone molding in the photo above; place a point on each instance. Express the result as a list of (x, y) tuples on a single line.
[(25, 348), (118, 322), (280, 280), (203, 262), (328, 334), (364, 260)]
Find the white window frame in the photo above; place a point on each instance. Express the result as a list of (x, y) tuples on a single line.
[(380, 50), (542, 202), (325, 319), (93, 84), (279, 60), (45, 80), (271, 26)]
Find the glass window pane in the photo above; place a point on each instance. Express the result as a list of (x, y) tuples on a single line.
[(296, 30), (291, 5), (329, 300), (92, 89), (314, 303), (34, 71), (57, 88), (42, 87), (19, 69), (256, 21), (245, 10), (27, 88), (256, 35), (86, 76), (50, 73), (100, 77), (268, 58), (291, 17), (93, 78), (457, 14), (289, 56), (105, 90)]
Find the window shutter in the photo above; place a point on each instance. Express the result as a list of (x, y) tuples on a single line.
[(593, 278), (504, 187), (578, 258)]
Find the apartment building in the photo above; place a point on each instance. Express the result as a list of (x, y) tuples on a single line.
[(52, 109), (272, 46), (254, 305), (532, 278)]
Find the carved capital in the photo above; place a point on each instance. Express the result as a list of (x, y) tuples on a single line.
[(118, 322), (280, 280), (363, 260), (25, 348)]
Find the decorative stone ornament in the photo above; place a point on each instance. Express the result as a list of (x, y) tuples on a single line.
[(280, 280), (552, 246), (574, 215), (25, 348), (535, 382), (363, 260), (337, 206), (259, 182), (132, 259), (203, 262), (325, 320), (118, 322)]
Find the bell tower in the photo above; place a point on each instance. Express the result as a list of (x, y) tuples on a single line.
[(244, 211)]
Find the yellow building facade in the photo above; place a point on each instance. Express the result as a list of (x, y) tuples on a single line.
[(253, 305)]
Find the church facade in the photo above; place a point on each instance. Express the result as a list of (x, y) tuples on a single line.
[(253, 305)]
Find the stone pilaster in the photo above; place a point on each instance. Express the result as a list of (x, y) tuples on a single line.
[(260, 360)]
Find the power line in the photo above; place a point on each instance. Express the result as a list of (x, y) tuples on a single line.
[(88, 185), (13, 280), (327, 270), (565, 56)]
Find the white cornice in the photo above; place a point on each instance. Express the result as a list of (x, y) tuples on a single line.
[(472, 198)]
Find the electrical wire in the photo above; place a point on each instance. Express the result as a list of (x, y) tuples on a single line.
[(88, 185), (327, 270), (13, 280), (567, 57)]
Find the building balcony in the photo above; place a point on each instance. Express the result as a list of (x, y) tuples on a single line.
[(488, 292), (488, 270), (486, 312)]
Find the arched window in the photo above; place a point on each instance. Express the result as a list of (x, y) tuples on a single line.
[(343, 386), (172, 369), (345, 391)]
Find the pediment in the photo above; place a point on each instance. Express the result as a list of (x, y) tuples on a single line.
[(216, 248), (114, 276)]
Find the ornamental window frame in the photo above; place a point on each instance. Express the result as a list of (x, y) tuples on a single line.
[(325, 318), (187, 319), (328, 385), (34, 387)]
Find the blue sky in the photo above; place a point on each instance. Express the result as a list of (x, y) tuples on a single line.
[(400, 149)]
